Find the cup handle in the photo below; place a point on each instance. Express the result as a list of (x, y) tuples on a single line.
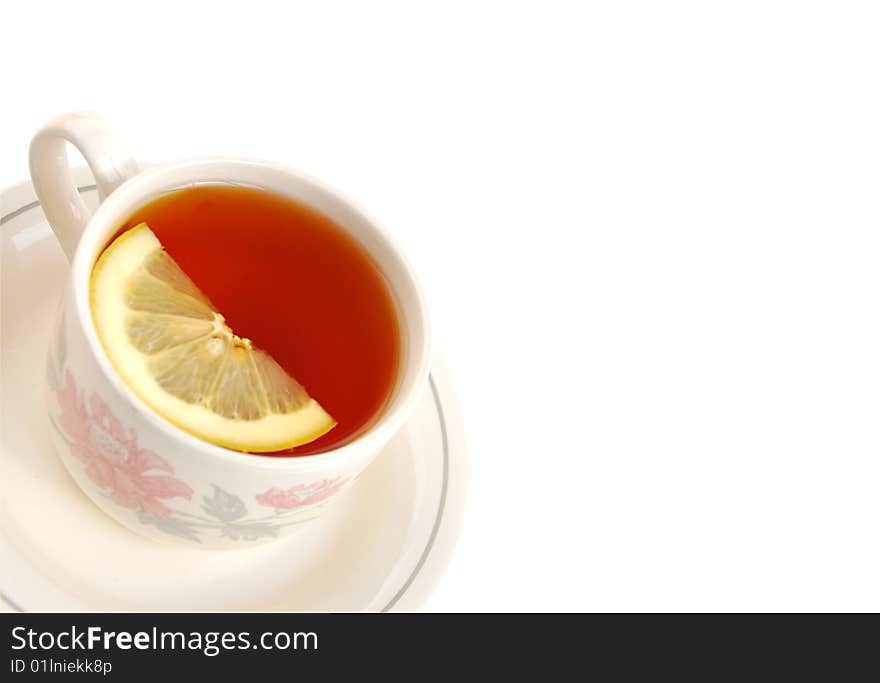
[(109, 160)]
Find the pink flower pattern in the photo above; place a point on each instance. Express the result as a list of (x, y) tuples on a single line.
[(139, 479), (302, 494), (111, 456)]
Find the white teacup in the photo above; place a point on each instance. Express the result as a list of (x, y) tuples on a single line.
[(156, 479)]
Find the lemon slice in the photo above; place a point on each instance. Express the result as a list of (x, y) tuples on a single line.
[(176, 352)]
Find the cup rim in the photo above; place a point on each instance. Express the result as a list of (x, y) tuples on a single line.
[(127, 196)]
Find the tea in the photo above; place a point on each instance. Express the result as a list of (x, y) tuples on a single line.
[(297, 285)]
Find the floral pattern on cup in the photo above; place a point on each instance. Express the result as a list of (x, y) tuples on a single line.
[(138, 479), (113, 461), (301, 495)]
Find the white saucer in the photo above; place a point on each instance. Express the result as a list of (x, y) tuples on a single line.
[(383, 546)]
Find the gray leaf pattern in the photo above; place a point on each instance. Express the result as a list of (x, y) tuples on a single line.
[(224, 505), (228, 516), (61, 353), (170, 525), (251, 531), (53, 375), (57, 356)]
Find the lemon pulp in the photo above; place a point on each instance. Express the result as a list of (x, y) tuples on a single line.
[(175, 351)]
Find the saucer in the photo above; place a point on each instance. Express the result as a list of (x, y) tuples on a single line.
[(383, 545)]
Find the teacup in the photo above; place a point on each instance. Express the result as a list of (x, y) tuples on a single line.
[(154, 478)]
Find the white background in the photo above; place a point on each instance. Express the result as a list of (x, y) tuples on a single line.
[(650, 237)]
